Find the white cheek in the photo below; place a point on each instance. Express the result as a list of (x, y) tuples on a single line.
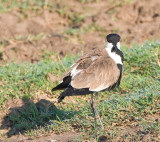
[(109, 45), (118, 45)]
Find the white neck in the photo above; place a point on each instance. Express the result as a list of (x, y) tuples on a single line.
[(113, 55)]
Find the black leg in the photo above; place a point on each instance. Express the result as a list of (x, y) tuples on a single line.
[(93, 111), (96, 95)]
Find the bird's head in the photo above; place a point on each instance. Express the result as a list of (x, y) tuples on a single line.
[(113, 41)]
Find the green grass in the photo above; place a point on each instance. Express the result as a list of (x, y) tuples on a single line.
[(18, 80), (134, 105)]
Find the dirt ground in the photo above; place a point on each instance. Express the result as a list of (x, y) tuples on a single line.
[(28, 38), (136, 22)]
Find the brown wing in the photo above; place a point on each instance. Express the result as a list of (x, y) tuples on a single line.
[(99, 75), (85, 59), (83, 62)]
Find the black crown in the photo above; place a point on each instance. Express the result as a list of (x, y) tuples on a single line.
[(113, 38)]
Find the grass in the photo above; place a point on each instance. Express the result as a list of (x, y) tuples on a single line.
[(25, 79), (24, 5), (134, 105)]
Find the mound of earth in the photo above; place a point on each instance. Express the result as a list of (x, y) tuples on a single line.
[(27, 39)]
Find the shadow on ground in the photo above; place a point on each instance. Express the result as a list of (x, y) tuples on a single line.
[(33, 115)]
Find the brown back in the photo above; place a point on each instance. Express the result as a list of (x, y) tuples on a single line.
[(98, 71)]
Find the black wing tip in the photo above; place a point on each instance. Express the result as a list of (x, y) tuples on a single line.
[(60, 98), (58, 87), (54, 89)]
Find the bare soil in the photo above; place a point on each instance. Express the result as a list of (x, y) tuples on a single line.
[(129, 128), (63, 137), (136, 22)]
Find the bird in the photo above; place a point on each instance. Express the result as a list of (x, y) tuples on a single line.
[(94, 72)]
